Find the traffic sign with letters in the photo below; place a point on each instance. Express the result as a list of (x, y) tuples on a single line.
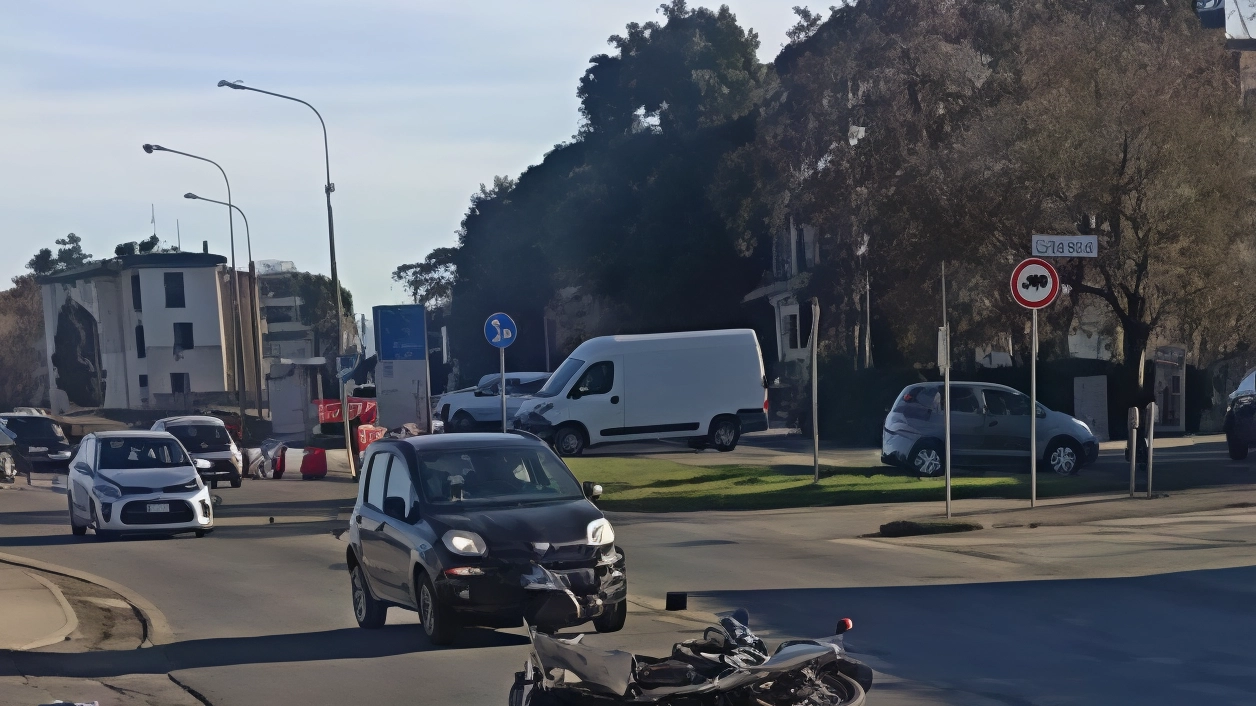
[(1035, 283)]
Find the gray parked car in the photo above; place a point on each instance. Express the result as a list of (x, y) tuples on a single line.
[(989, 425)]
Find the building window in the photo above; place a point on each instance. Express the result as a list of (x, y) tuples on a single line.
[(136, 302), (141, 351), (180, 383), (143, 381), (791, 331), (174, 290), (183, 336)]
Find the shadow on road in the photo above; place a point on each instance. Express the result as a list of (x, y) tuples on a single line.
[(348, 643), (1088, 641)]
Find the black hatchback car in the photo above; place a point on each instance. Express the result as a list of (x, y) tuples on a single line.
[(481, 529), (41, 445)]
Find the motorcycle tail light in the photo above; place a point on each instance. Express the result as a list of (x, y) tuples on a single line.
[(843, 625)]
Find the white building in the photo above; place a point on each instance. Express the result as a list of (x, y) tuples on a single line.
[(794, 253), (144, 331)]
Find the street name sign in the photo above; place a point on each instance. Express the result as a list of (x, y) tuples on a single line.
[(1035, 283), (1064, 246)]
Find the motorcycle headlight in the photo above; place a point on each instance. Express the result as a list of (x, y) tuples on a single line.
[(465, 543), (600, 532), (108, 491)]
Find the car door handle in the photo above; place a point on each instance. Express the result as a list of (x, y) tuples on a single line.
[(995, 423), (615, 399)]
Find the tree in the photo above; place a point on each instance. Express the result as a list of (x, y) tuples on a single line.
[(148, 245), (69, 255), (21, 339), (430, 281)]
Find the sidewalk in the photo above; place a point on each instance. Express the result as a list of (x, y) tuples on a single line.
[(33, 612)]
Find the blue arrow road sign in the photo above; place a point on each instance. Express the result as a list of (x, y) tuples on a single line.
[(500, 330)]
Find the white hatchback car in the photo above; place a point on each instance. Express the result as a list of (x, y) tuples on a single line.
[(137, 481)]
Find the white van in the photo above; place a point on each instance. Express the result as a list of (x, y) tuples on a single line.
[(704, 386)]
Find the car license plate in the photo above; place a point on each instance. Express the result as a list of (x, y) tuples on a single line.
[(159, 507)]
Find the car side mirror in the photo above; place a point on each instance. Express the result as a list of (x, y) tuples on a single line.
[(592, 490), (395, 508), (82, 467), (202, 465)]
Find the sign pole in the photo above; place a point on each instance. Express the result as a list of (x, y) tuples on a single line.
[(502, 386), (1151, 439), (1033, 415), (815, 400), (1131, 422), (946, 392)]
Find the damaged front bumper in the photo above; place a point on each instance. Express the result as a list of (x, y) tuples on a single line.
[(534, 423), (549, 595)]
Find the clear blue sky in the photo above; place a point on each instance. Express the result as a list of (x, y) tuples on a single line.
[(423, 102)]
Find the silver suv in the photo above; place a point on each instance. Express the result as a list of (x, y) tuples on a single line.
[(481, 529), (989, 425)]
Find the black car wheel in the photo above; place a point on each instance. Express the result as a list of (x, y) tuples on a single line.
[(612, 618), (1237, 447), (8, 466), (369, 612), (438, 620), (926, 458), (568, 441), (75, 528), (725, 431), (1064, 457), (462, 423)]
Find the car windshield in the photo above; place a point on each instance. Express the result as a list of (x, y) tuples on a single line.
[(199, 438), (495, 475), (140, 452), (34, 427), (561, 377)]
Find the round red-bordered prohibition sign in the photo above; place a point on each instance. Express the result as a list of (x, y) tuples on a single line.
[(1035, 283)]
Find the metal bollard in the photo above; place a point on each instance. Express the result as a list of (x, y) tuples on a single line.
[(1131, 423), (1151, 437)]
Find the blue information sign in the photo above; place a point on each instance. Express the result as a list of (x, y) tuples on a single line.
[(346, 365), (500, 330), (401, 332)]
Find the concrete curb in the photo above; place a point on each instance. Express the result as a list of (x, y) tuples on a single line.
[(156, 628), (71, 618), (657, 606)]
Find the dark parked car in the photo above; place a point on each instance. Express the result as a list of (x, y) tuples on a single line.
[(1240, 417), (41, 444), (481, 529)]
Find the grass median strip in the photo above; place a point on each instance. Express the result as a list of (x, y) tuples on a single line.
[(653, 485)]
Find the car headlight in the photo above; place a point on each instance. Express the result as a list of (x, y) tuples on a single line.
[(194, 484), (465, 543), (542, 409), (600, 532), (107, 491)]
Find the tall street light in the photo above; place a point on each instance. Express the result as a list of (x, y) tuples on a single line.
[(255, 325), (331, 241), (235, 285)]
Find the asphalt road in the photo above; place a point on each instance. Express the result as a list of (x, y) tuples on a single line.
[(260, 611)]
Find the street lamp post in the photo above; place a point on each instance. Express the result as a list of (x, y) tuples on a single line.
[(255, 325), (331, 241), (235, 285)]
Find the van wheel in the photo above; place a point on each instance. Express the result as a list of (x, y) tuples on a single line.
[(926, 458), (725, 431), (568, 441)]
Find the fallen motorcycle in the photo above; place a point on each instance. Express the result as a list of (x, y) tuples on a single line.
[(728, 666)]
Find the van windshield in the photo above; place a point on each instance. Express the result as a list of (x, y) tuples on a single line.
[(561, 377)]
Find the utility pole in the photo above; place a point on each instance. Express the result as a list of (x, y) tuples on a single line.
[(815, 403)]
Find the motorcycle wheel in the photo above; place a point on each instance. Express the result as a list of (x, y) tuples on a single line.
[(846, 690)]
